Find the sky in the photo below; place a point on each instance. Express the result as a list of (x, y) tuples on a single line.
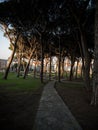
[(4, 47), (4, 44), (2, 0)]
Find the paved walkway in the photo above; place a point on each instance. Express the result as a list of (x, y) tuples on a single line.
[(53, 114)]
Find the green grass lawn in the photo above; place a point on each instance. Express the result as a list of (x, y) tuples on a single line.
[(19, 101), (70, 84), (19, 84)]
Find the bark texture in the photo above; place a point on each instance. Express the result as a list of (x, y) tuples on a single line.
[(27, 67), (95, 71), (11, 58)]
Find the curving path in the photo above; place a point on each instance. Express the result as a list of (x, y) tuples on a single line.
[(53, 114)]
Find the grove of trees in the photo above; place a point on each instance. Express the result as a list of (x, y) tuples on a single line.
[(63, 28)]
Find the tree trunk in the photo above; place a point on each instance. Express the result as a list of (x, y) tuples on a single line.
[(62, 68), (59, 65), (95, 71), (50, 67), (82, 67), (24, 65), (35, 67), (56, 68), (84, 49), (71, 70), (83, 41), (86, 70), (77, 69), (91, 68), (19, 65), (26, 70), (45, 67), (11, 58), (35, 71), (42, 61)]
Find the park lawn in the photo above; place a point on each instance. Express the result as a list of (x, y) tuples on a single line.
[(71, 84), (19, 84), (19, 101), (76, 98)]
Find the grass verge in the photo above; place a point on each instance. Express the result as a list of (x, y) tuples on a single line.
[(19, 101), (76, 98), (19, 84)]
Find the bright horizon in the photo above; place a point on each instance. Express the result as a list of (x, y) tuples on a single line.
[(4, 42), (4, 47), (2, 1)]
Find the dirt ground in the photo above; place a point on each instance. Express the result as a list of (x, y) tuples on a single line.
[(77, 101), (18, 110)]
